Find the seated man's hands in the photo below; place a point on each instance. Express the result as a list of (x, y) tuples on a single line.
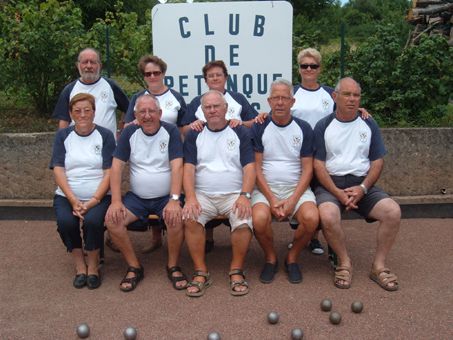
[(116, 213), (355, 194), (286, 207), (242, 207), (191, 210), (172, 213)]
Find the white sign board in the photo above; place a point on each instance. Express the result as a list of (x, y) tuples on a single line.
[(253, 38)]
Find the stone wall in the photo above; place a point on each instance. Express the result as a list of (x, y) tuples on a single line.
[(419, 165)]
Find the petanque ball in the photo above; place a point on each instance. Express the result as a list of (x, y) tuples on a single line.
[(297, 334), (213, 336), (335, 318), (326, 305), (357, 307), (83, 331), (130, 333), (272, 318)]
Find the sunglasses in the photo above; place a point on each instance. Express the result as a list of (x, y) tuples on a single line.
[(312, 66), (153, 73)]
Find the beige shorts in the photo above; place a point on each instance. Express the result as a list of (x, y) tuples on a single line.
[(220, 204), (283, 192)]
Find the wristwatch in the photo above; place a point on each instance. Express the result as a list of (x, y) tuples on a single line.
[(174, 197), (246, 194), (364, 188)]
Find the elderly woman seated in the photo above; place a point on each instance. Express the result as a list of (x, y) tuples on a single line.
[(81, 161)]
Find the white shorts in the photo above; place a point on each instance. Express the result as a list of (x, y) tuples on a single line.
[(220, 204), (283, 192)]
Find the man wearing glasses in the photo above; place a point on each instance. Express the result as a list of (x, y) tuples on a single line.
[(348, 162), (284, 168), (109, 96), (154, 151)]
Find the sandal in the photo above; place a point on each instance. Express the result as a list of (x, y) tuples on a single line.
[(238, 283), (133, 281), (384, 277), (343, 273), (201, 286), (175, 279)]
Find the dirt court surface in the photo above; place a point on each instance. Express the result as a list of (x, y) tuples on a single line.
[(39, 302)]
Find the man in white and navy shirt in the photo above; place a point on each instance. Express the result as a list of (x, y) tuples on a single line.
[(219, 174), (284, 169), (109, 96), (348, 162), (154, 151)]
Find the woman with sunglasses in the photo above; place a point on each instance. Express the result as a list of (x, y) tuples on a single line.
[(173, 108), (81, 161)]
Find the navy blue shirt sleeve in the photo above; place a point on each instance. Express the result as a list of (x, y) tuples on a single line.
[(307, 144), (192, 108), (123, 147), (320, 143), (190, 147), (108, 146), (246, 149), (122, 101), (59, 150), (377, 148), (257, 134), (175, 147), (61, 110)]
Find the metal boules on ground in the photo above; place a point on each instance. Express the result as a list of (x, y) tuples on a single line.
[(335, 318), (326, 305), (357, 307), (297, 334), (83, 331), (273, 318), (213, 336), (130, 333)]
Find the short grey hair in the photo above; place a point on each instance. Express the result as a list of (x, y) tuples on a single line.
[(338, 86), (220, 94), (281, 81), (90, 49), (146, 95)]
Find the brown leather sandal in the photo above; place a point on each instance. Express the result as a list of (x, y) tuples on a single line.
[(384, 278)]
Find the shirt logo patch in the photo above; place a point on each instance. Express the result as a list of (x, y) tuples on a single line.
[(230, 113), (97, 149), (231, 143), (325, 104), (104, 96), (296, 141), (163, 146), (168, 104), (363, 136)]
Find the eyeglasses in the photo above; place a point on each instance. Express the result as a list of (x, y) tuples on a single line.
[(145, 111), (153, 73), (85, 111), (306, 66), (280, 98), (214, 75), (349, 94)]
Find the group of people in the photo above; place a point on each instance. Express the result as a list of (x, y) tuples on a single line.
[(311, 157)]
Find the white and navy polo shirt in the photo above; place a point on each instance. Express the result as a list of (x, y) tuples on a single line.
[(149, 158), (108, 95), (312, 105), (282, 147), (84, 158), (219, 158), (171, 102), (238, 108), (348, 147)]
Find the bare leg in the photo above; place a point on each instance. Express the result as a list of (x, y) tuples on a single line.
[(240, 241), (262, 226), (79, 261), (195, 238), (308, 218), (175, 239), (93, 262)]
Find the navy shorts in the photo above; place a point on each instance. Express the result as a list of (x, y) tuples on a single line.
[(143, 207), (365, 205)]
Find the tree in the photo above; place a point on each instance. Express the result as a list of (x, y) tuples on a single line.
[(40, 42)]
